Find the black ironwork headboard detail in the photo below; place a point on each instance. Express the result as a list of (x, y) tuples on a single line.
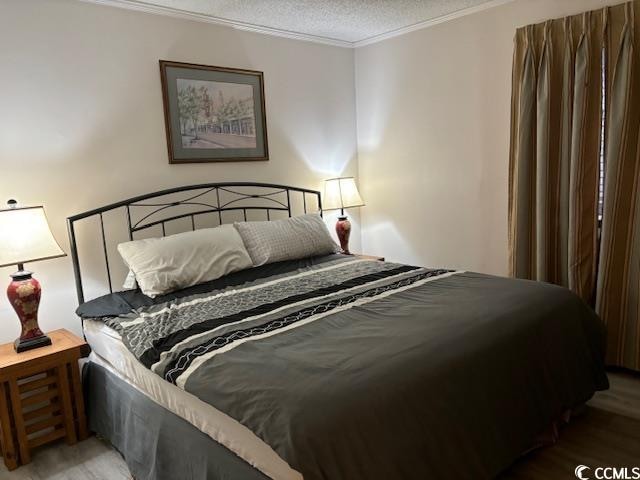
[(158, 209)]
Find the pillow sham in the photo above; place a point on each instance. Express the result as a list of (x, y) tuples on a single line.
[(288, 239), (163, 265)]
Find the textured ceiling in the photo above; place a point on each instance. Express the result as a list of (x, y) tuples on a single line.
[(342, 20)]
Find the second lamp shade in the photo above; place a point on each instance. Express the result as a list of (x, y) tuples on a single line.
[(341, 193)]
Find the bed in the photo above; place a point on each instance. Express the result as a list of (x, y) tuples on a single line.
[(327, 367)]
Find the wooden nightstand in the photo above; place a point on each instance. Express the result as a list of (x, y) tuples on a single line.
[(41, 396), (369, 257)]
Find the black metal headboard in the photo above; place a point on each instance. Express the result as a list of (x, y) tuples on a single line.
[(159, 209)]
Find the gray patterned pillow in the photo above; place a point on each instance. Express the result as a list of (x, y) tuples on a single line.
[(288, 239)]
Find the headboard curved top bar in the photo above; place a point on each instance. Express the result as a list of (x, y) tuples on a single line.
[(263, 194)]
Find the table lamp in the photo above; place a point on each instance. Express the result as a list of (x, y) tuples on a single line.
[(341, 193), (25, 237)]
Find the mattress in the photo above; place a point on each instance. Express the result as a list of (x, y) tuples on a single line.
[(109, 352), (360, 369)]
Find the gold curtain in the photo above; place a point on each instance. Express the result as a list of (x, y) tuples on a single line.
[(618, 295), (559, 69), (555, 131)]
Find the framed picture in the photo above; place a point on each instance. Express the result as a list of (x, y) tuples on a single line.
[(213, 114)]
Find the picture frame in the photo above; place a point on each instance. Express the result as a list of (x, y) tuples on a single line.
[(213, 114)]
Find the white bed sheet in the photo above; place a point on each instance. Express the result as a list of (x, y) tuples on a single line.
[(111, 353)]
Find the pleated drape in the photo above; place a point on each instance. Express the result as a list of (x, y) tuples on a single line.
[(560, 70), (618, 295), (554, 161)]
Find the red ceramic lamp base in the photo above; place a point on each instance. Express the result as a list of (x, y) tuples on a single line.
[(343, 230), (24, 295)]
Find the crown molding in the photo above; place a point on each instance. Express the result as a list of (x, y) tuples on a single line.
[(140, 6), (430, 23)]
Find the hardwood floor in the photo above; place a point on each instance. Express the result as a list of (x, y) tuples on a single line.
[(91, 459), (608, 434)]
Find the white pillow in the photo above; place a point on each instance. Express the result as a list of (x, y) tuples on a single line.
[(163, 265), (287, 239)]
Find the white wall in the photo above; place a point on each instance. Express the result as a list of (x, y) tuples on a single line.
[(433, 109), (81, 121), (81, 125)]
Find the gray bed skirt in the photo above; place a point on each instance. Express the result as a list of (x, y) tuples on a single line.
[(155, 443)]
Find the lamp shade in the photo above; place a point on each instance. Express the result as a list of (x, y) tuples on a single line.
[(25, 236), (341, 193)]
